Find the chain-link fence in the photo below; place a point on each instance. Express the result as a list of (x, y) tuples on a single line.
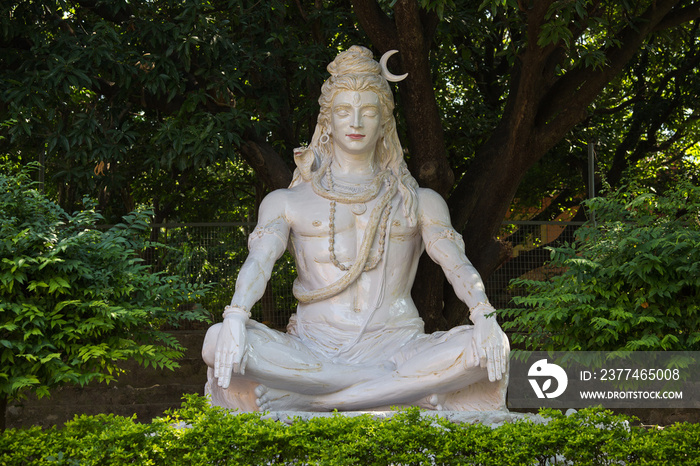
[(214, 253), (530, 242)]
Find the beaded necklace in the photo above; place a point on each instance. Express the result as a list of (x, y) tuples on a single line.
[(372, 260), (377, 216)]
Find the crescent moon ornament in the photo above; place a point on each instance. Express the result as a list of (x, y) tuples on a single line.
[(385, 71)]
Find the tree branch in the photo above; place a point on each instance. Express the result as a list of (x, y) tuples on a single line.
[(565, 105), (679, 16), (380, 29), (620, 107)]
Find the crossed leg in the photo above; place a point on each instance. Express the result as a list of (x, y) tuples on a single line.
[(427, 369), (288, 376)]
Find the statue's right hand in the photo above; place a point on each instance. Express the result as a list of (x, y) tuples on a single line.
[(230, 357)]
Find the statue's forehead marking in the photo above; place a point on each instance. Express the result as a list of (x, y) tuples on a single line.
[(356, 99)]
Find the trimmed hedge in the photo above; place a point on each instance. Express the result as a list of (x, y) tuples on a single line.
[(197, 434)]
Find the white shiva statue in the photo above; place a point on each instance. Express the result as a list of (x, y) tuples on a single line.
[(356, 223)]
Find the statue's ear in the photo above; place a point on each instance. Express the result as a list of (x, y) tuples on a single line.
[(304, 158)]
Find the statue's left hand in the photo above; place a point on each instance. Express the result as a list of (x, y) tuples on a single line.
[(492, 346)]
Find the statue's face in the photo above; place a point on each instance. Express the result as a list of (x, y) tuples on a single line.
[(356, 122)]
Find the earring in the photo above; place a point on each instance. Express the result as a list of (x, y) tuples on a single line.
[(324, 138)]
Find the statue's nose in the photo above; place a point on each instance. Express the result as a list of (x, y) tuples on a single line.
[(357, 119)]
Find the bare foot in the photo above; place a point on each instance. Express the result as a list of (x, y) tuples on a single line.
[(273, 399), (435, 402)]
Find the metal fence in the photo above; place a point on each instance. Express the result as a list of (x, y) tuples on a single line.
[(214, 253), (530, 242)]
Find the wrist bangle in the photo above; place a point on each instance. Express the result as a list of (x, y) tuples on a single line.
[(478, 309), (235, 311)]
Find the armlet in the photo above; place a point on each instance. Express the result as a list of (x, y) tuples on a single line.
[(448, 234), (270, 229)]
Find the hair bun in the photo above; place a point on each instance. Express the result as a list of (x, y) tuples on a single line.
[(355, 60)]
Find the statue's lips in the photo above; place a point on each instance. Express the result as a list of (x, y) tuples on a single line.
[(357, 137)]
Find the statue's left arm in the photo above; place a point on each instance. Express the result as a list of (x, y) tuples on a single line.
[(446, 247)]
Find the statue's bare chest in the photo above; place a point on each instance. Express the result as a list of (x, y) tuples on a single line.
[(320, 218)]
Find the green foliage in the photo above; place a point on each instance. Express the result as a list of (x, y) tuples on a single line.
[(644, 117), (631, 281), (112, 92), (198, 434), (74, 301)]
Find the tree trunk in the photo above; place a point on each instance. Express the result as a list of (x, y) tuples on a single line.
[(427, 294), (267, 163), (426, 144)]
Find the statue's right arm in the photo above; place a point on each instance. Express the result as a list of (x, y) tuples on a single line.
[(266, 244)]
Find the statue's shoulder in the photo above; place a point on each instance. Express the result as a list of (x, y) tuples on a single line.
[(275, 203), (288, 200), (276, 196), (428, 198), (431, 206)]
